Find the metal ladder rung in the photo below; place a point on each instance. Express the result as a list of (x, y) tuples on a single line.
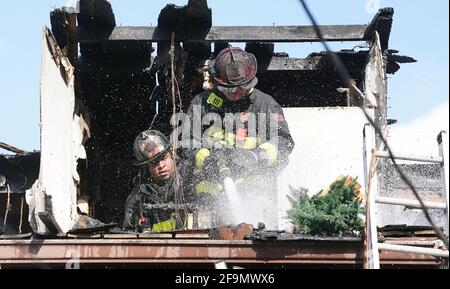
[(413, 249), (408, 157), (410, 203)]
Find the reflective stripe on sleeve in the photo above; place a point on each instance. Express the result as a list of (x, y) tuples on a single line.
[(200, 158)]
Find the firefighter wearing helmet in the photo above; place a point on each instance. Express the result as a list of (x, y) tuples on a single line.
[(252, 140), (155, 186)]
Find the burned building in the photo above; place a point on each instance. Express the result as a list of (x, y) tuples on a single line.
[(102, 84)]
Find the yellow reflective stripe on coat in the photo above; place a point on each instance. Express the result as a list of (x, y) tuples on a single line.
[(200, 158), (207, 187), (272, 153), (165, 226)]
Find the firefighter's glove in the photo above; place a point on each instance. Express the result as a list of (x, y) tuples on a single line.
[(203, 159), (267, 154)]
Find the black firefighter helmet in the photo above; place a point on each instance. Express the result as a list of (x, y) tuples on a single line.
[(150, 146)]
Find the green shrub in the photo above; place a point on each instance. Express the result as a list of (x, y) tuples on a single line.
[(335, 211)]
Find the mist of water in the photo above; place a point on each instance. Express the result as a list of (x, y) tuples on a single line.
[(249, 206), (234, 200)]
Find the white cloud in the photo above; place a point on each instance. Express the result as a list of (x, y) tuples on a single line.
[(419, 135)]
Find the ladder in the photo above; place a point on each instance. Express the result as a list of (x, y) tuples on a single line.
[(372, 157)]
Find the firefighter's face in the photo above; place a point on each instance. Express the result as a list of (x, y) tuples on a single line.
[(162, 170)]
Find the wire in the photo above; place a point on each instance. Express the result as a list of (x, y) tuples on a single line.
[(178, 186), (343, 73), (8, 205), (156, 115)]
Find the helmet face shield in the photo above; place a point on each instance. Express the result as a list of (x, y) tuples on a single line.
[(234, 89), (225, 89), (150, 146)]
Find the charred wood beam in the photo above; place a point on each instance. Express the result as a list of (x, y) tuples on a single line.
[(394, 60), (382, 22), (96, 15), (317, 62), (64, 29), (195, 17), (230, 34), (58, 19)]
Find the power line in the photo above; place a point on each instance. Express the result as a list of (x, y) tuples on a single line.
[(343, 73)]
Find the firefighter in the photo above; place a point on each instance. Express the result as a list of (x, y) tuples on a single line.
[(253, 138), (155, 186)]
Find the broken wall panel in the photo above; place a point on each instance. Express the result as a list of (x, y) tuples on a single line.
[(375, 86), (55, 193)]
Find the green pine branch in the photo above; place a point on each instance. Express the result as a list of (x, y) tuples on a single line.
[(336, 213)]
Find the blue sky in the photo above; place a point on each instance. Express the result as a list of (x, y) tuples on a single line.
[(420, 30)]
